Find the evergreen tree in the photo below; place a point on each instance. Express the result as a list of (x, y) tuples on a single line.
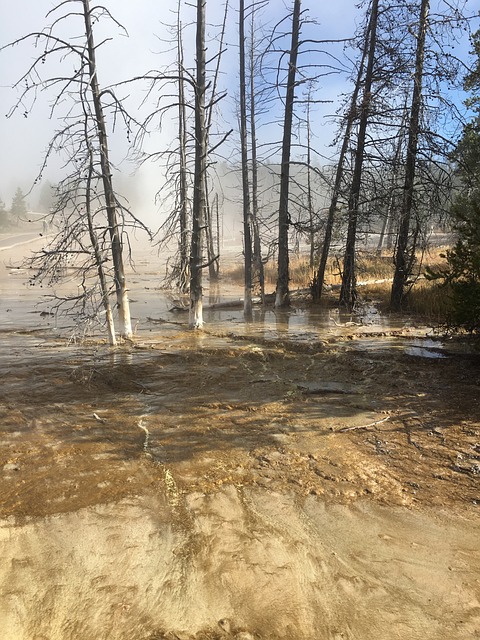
[(3, 215), (46, 200), (18, 209), (462, 273)]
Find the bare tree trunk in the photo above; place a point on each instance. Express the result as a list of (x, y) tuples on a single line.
[(212, 256), (198, 223), (348, 292), (311, 230), (182, 142), (213, 259), (404, 262), (110, 200), (319, 277), (387, 225), (98, 253), (217, 221), (381, 238), (247, 240), (257, 245), (390, 233), (282, 295)]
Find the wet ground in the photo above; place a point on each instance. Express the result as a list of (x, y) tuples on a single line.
[(309, 475)]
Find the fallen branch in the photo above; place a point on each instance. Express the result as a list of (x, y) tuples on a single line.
[(363, 426), (162, 321)]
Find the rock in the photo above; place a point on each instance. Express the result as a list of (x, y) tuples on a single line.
[(325, 387), (11, 466)]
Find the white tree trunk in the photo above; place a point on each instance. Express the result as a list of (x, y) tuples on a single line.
[(199, 200)]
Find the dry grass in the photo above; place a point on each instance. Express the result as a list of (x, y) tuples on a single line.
[(430, 300), (426, 299), (300, 273), (372, 267)]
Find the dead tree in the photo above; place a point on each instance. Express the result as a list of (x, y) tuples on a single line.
[(97, 251), (350, 119), (282, 294), (310, 211), (92, 220), (247, 239), (192, 94), (211, 240), (123, 304), (403, 259), (348, 291), (249, 71), (390, 219), (257, 244), (184, 236), (214, 97), (199, 199)]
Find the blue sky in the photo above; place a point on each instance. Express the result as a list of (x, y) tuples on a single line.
[(123, 57), (24, 139)]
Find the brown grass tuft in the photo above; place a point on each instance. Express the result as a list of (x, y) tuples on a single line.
[(426, 299)]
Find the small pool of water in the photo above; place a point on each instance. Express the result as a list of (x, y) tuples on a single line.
[(426, 348)]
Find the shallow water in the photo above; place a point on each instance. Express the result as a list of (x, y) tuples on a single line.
[(426, 348), (193, 478), (158, 312)]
